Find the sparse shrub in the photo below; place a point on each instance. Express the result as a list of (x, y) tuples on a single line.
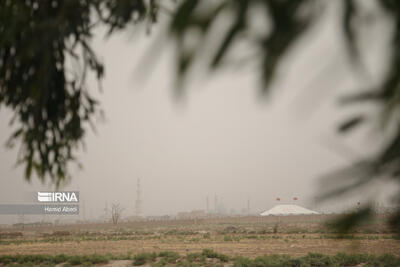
[(169, 256), (231, 229), (75, 260), (275, 229), (242, 262), (207, 236), (60, 233), (296, 230), (161, 263), (96, 259), (60, 258), (273, 260), (195, 257), (343, 259), (179, 232), (87, 259), (318, 260), (6, 259), (387, 260), (11, 235), (143, 258), (139, 260), (228, 238), (209, 253), (295, 263)]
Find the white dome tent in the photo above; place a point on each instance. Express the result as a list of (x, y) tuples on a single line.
[(288, 209)]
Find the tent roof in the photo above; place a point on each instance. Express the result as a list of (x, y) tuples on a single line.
[(288, 210)]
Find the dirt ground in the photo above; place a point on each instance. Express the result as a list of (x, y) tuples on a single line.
[(248, 248), (249, 237)]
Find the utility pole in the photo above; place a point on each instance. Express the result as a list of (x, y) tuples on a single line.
[(216, 204), (138, 202), (106, 211)]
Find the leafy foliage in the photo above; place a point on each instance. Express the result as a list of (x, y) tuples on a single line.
[(45, 55), (287, 21), (284, 23)]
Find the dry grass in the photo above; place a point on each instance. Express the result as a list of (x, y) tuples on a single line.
[(244, 236)]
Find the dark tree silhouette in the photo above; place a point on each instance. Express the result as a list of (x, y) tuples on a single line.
[(46, 91), (51, 103)]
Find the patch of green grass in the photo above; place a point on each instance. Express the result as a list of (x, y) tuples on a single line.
[(357, 237), (343, 259), (195, 257), (209, 253), (228, 238), (319, 260), (296, 231), (169, 256), (207, 236), (47, 260), (87, 259), (242, 262), (251, 237), (143, 258), (179, 232), (207, 257), (386, 260)]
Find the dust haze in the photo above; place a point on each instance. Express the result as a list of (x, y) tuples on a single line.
[(219, 141)]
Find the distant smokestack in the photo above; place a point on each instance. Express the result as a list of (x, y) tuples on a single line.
[(138, 202), (106, 211), (215, 203)]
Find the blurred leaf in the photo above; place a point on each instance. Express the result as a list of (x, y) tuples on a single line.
[(237, 26), (346, 223), (351, 123)]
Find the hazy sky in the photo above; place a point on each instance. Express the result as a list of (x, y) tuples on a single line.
[(220, 139)]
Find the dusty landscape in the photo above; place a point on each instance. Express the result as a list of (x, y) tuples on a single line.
[(235, 236)]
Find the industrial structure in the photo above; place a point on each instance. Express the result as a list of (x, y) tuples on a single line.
[(138, 202)]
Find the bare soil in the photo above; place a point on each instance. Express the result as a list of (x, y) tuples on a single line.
[(245, 236)]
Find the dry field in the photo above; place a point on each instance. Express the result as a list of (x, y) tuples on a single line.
[(239, 236)]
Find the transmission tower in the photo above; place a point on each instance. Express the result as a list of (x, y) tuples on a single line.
[(216, 203), (106, 211), (138, 202)]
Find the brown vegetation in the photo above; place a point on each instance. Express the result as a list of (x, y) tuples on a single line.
[(241, 236)]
